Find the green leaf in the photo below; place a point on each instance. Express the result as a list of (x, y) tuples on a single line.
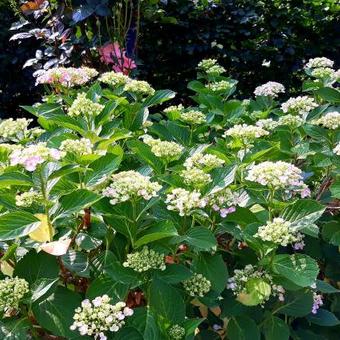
[(276, 329), (17, 224), (242, 328), (121, 274), (296, 304), (14, 329), (329, 94), (145, 322), (325, 287), (214, 269), (298, 268), (106, 285), (201, 238), (166, 301), (303, 213), (76, 262), (159, 97), (42, 288), (143, 152), (174, 273), (34, 266), (14, 178), (56, 312), (78, 200), (159, 231), (323, 318), (335, 189), (101, 169)]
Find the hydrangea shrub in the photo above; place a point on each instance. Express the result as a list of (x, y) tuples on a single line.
[(124, 218)]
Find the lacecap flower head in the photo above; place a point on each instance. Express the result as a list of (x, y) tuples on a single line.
[(197, 285), (97, 317), (128, 185)]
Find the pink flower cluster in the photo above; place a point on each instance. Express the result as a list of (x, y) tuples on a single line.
[(66, 76), (34, 155), (112, 53)]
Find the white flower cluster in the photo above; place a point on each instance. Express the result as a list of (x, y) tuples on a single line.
[(280, 232), (193, 117), (176, 332), (270, 89), (139, 86), (142, 261), (184, 201), (66, 76), (224, 201), (291, 121), (246, 133), (331, 120), (79, 147), (28, 198), (10, 128), (197, 285), (195, 177), (98, 316), (267, 124), (211, 67), (83, 106), (12, 290), (174, 109), (336, 150), (114, 78), (202, 161), (301, 105), (278, 175), (219, 86), (319, 62), (163, 149), (5, 147), (240, 283), (33, 155), (130, 184), (36, 132)]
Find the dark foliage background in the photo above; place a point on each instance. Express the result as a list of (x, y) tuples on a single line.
[(284, 32), (240, 33)]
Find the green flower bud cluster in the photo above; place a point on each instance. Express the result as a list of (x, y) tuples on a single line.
[(83, 106), (176, 332), (12, 129), (202, 161), (79, 147), (139, 87), (246, 133), (211, 67), (267, 124), (331, 120), (98, 316), (280, 232), (12, 290), (163, 149), (193, 117), (291, 121), (144, 260), (174, 109), (197, 285), (28, 198), (219, 86), (114, 78), (195, 177)]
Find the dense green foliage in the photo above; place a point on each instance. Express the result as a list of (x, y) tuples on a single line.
[(214, 221)]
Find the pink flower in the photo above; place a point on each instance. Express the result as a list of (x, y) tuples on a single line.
[(112, 53)]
